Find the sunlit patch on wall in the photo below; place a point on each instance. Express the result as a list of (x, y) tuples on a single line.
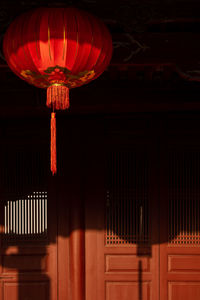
[(26, 217)]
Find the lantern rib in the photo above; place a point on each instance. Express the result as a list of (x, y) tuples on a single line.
[(92, 44), (64, 36), (13, 51), (32, 38), (49, 36), (101, 51), (85, 43), (38, 20), (106, 52), (25, 39), (77, 39), (22, 39)]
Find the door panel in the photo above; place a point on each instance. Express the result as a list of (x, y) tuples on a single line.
[(184, 290), (121, 249), (35, 289), (142, 212), (180, 224), (125, 290)]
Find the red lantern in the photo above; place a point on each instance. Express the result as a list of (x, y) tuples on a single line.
[(57, 49)]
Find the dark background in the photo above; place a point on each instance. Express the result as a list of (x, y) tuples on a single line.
[(155, 64)]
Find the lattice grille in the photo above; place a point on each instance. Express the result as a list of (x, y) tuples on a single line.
[(26, 216), (24, 192), (127, 214), (184, 198), (23, 171)]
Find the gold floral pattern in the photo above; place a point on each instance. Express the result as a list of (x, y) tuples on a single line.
[(57, 74)]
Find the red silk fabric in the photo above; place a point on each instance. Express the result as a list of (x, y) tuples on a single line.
[(57, 45)]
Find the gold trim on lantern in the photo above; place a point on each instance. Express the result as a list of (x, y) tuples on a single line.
[(58, 84)]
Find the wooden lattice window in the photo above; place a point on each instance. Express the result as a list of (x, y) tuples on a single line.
[(24, 177), (184, 198), (26, 216), (127, 207)]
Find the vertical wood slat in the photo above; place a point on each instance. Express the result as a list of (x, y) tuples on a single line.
[(37, 215), (184, 188), (43, 215), (14, 222), (17, 217), (40, 215), (31, 215), (45, 211), (34, 214), (128, 202), (197, 188), (8, 217), (5, 218), (111, 207), (26, 216), (22, 216), (19, 214), (136, 203)]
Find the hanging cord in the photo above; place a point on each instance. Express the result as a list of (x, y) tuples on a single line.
[(57, 99), (53, 144)]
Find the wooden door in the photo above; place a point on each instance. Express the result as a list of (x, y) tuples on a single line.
[(121, 213), (142, 212), (180, 209), (28, 240)]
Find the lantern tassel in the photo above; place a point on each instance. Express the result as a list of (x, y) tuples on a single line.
[(53, 144)]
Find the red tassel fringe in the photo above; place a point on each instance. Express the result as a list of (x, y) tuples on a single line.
[(58, 97), (53, 144)]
